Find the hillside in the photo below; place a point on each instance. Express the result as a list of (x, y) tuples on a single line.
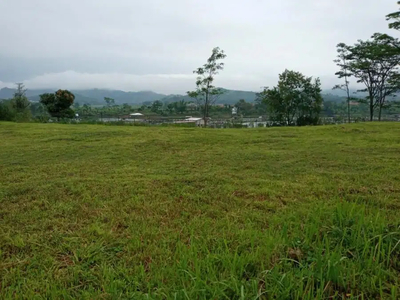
[(228, 97), (96, 96), (129, 212), (92, 96)]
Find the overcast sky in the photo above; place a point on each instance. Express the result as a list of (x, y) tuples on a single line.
[(156, 44)]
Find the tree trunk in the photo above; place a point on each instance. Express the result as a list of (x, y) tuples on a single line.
[(371, 113), (348, 100), (371, 107), (205, 115), (380, 112), (348, 110), (206, 107)]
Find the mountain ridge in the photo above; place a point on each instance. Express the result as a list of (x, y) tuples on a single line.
[(96, 96)]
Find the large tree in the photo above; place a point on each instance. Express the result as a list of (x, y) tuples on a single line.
[(20, 101), (206, 94), (156, 106), (296, 100), (374, 63), (244, 108), (58, 104)]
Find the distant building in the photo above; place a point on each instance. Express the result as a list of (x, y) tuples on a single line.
[(197, 121)]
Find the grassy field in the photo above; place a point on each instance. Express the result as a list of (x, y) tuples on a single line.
[(121, 212)]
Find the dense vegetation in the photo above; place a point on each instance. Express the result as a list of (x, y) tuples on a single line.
[(107, 212), (296, 100)]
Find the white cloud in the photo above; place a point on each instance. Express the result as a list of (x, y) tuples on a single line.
[(162, 83), (105, 41)]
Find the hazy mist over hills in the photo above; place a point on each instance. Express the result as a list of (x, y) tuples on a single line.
[(96, 96)]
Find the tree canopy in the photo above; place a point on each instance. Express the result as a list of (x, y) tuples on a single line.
[(206, 94), (58, 104), (374, 63), (394, 19), (296, 100)]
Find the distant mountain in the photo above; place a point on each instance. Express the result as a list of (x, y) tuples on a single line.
[(96, 96), (232, 97), (120, 97), (228, 97), (33, 95), (91, 96), (78, 99)]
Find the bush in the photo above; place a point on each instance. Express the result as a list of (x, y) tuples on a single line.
[(307, 120), (10, 111), (7, 112), (23, 116), (178, 124)]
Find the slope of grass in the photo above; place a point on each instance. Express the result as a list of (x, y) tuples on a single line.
[(108, 212)]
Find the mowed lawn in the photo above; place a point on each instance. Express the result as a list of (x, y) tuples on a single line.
[(122, 212)]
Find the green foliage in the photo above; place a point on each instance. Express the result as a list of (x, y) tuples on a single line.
[(156, 106), (244, 107), (126, 108), (17, 108), (179, 107), (126, 212), (109, 101), (20, 102), (7, 112), (58, 104), (374, 63), (206, 94), (394, 18), (296, 100)]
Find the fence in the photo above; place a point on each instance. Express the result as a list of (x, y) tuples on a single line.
[(213, 123)]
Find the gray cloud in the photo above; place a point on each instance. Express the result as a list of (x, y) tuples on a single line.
[(146, 45)]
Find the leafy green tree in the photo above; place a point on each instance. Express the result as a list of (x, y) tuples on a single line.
[(181, 107), (374, 63), (206, 94), (37, 109), (388, 56), (296, 100), (171, 107), (126, 108), (20, 103), (86, 109), (58, 104), (394, 18), (244, 107), (156, 106), (109, 101), (7, 112)]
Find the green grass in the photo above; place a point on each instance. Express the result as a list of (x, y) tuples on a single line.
[(122, 212)]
